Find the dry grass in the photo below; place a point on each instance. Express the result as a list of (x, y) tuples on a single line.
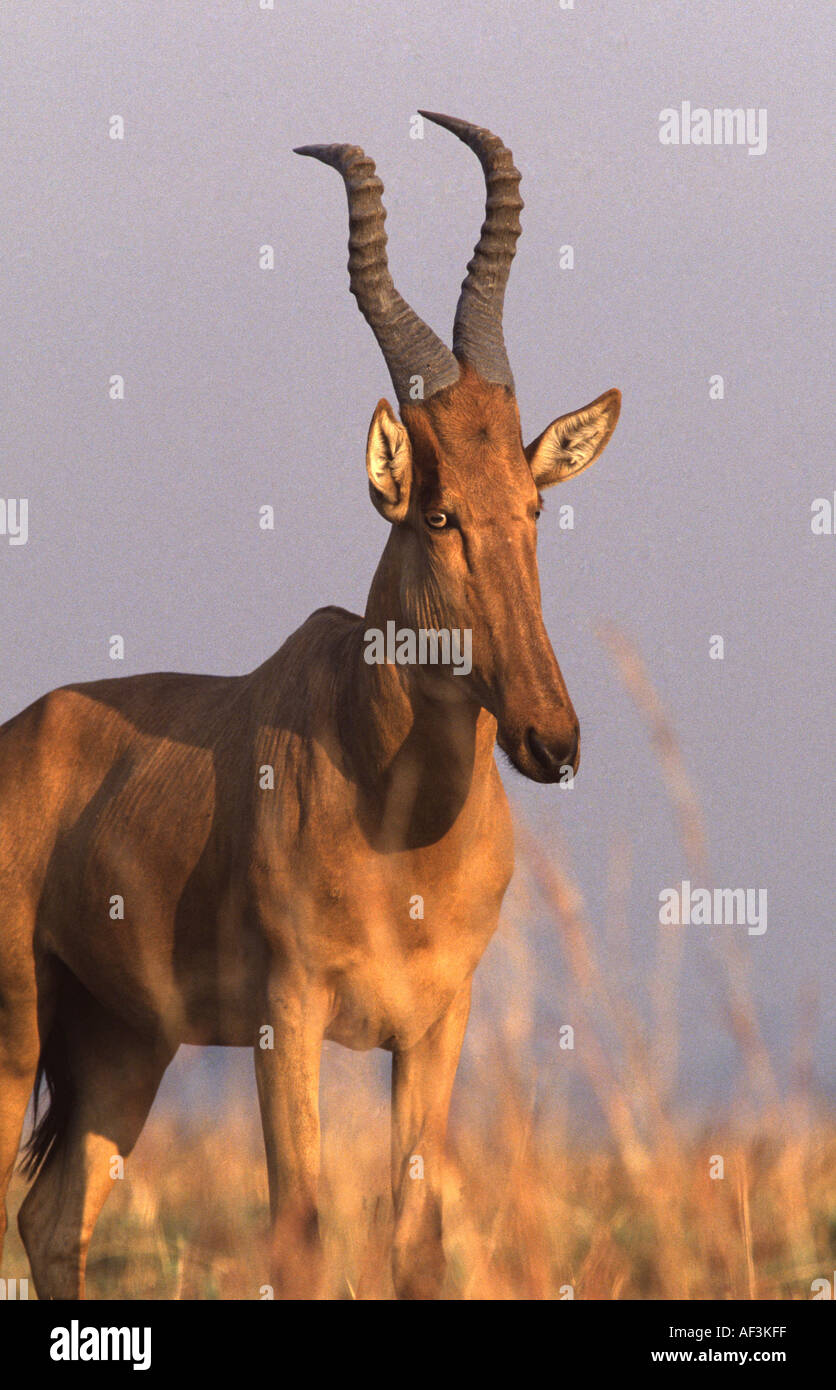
[(532, 1209)]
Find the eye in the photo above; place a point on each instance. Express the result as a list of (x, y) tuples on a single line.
[(437, 520), (537, 514)]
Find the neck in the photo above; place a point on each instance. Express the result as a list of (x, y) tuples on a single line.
[(418, 757)]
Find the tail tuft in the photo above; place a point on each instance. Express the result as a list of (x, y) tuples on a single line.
[(53, 1077)]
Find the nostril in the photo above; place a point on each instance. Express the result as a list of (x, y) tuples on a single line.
[(538, 750), (550, 759)]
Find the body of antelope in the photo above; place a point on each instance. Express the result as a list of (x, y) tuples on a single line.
[(283, 912)]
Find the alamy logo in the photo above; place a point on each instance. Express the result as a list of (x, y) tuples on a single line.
[(75, 1343), (696, 125), (14, 519), (401, 646), (724, 907), (14, 1288), (823, 520)]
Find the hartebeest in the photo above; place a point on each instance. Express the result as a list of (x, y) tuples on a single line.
[(283, 913)]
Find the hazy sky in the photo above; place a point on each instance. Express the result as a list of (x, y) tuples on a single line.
[(139, 257)]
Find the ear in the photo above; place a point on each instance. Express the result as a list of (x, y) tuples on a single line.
[(389, 463), (571, 443)]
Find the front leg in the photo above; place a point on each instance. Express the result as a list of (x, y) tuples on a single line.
[(422, 1082), (287, 1076)]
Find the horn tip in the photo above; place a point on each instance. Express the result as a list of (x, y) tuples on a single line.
[(440, 119), (340, 157)]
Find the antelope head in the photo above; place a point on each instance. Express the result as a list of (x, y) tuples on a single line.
[(452, 475)]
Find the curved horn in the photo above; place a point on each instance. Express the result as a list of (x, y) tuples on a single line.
[(409, 347), (477, 332)]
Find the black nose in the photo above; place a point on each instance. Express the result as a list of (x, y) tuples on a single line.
[(552, 757)]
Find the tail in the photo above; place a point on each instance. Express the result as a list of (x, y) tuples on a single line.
[(54, 1089)]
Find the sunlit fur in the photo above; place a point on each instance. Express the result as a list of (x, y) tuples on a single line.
[(317, 849)]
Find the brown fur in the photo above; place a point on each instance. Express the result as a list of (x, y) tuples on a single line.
[(289, 907)]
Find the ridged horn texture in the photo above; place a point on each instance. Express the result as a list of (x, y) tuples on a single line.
[(477, 332), (409, 347)]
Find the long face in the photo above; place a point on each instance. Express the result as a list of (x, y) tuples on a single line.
[(465, 509)]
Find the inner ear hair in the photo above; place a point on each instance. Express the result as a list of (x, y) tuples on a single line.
[(574, 441), (388, 462)]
